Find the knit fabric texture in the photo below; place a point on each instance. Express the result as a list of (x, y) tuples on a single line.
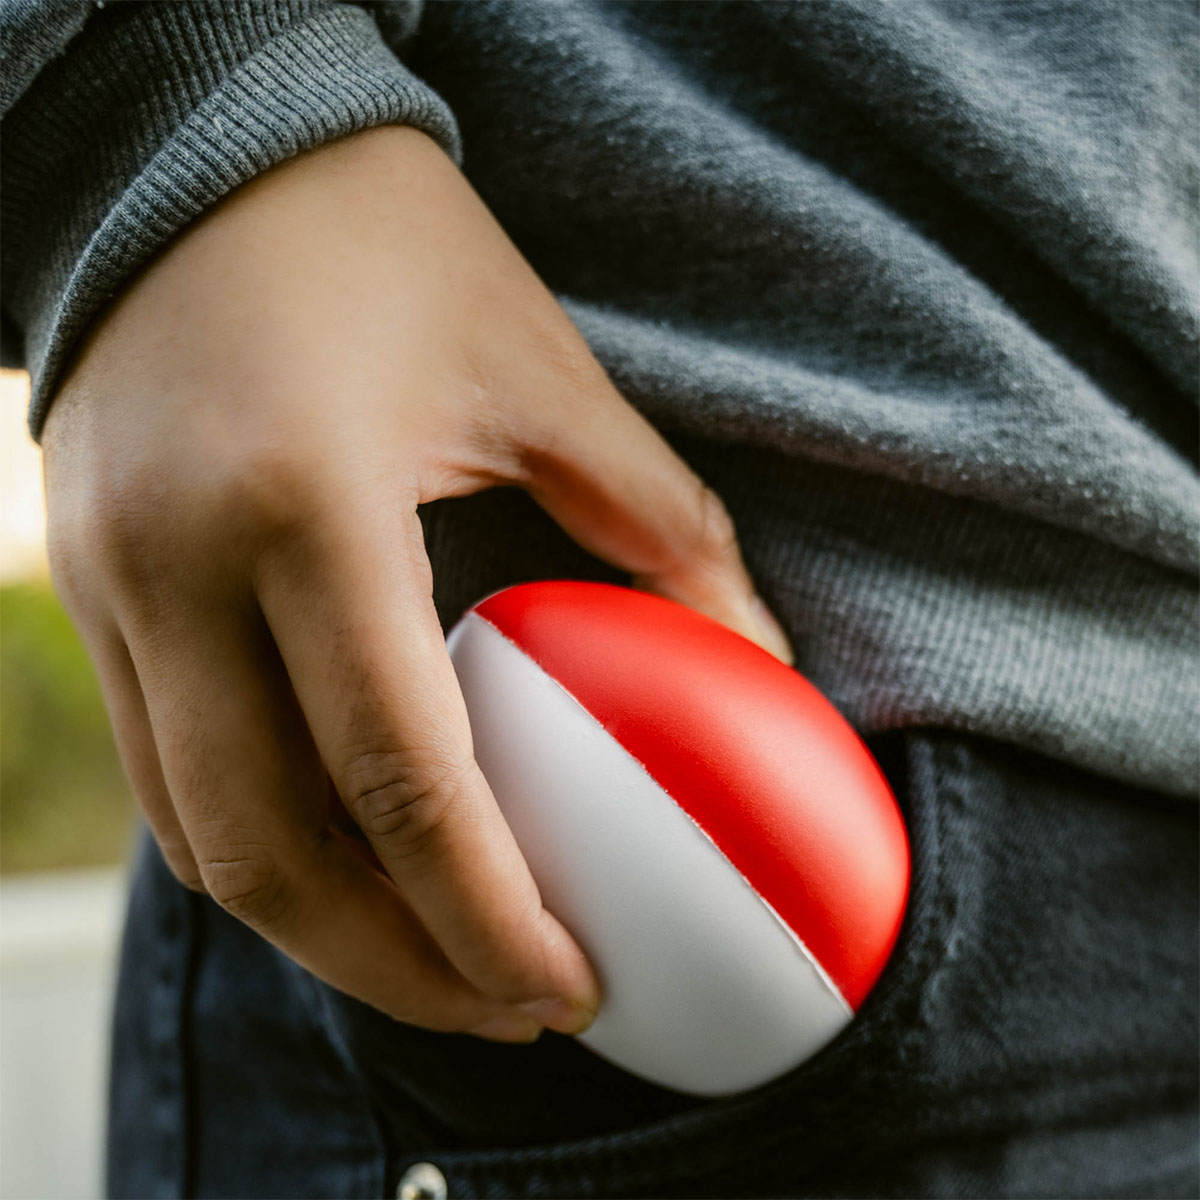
[(916, 287)]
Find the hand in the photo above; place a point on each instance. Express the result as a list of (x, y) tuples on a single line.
[(233, 468)]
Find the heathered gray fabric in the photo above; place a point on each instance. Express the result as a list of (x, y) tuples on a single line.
[(31, 33), (163, 109), (914, 285)]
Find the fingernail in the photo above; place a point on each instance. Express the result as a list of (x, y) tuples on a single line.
[(563, 1016), (509, 1027), (774, 638)]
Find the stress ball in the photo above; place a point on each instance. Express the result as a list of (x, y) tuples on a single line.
[(709, 828)]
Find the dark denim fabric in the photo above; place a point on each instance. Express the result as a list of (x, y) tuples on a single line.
[(1035, 1034)]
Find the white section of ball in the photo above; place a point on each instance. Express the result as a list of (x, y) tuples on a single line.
[(706, 990)]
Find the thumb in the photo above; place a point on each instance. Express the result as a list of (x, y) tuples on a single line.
[(615, 485)]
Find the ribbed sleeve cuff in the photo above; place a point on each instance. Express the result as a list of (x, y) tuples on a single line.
[(154, 113)]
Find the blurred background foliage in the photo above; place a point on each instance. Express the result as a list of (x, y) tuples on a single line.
[(63, 797), (64, 801)]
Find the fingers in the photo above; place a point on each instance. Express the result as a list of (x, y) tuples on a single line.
[(352, 613), (135, 744), (613, 483), (251, 796)]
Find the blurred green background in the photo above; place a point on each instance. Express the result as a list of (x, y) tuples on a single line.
[(64, 801)]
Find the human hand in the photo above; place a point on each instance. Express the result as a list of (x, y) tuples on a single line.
[(233, 467)]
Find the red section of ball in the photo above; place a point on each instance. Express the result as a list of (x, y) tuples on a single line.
[(759, 759)]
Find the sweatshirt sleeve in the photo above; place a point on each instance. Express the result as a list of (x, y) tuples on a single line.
[(145, 118)]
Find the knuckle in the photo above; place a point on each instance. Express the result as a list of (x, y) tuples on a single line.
[(268, 488), (120, 542), (119, 532), (62, 559), (68, 573), (124, 543), (402, 800), (248, 885)]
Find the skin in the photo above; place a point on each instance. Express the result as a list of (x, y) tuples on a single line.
[(233, 467)]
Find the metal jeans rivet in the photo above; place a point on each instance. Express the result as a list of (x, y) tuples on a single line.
[(422, 1181)]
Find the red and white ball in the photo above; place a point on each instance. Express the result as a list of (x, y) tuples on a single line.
[(711, 830)]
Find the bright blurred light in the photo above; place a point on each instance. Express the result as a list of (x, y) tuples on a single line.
[(22, 503)]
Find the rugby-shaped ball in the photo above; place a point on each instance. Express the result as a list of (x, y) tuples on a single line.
[(710, 829)]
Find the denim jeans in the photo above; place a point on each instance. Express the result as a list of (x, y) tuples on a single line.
[(1034, 1034)]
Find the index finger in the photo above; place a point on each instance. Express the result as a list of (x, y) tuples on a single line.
[(250, 794), (383, 704)]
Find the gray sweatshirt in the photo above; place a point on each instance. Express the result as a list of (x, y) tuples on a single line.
[(914, 285)]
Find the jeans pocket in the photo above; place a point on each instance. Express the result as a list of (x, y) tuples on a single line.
[(1035, 1032), (760, 1142)]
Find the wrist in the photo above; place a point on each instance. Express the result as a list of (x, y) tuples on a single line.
[(125, 140)]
